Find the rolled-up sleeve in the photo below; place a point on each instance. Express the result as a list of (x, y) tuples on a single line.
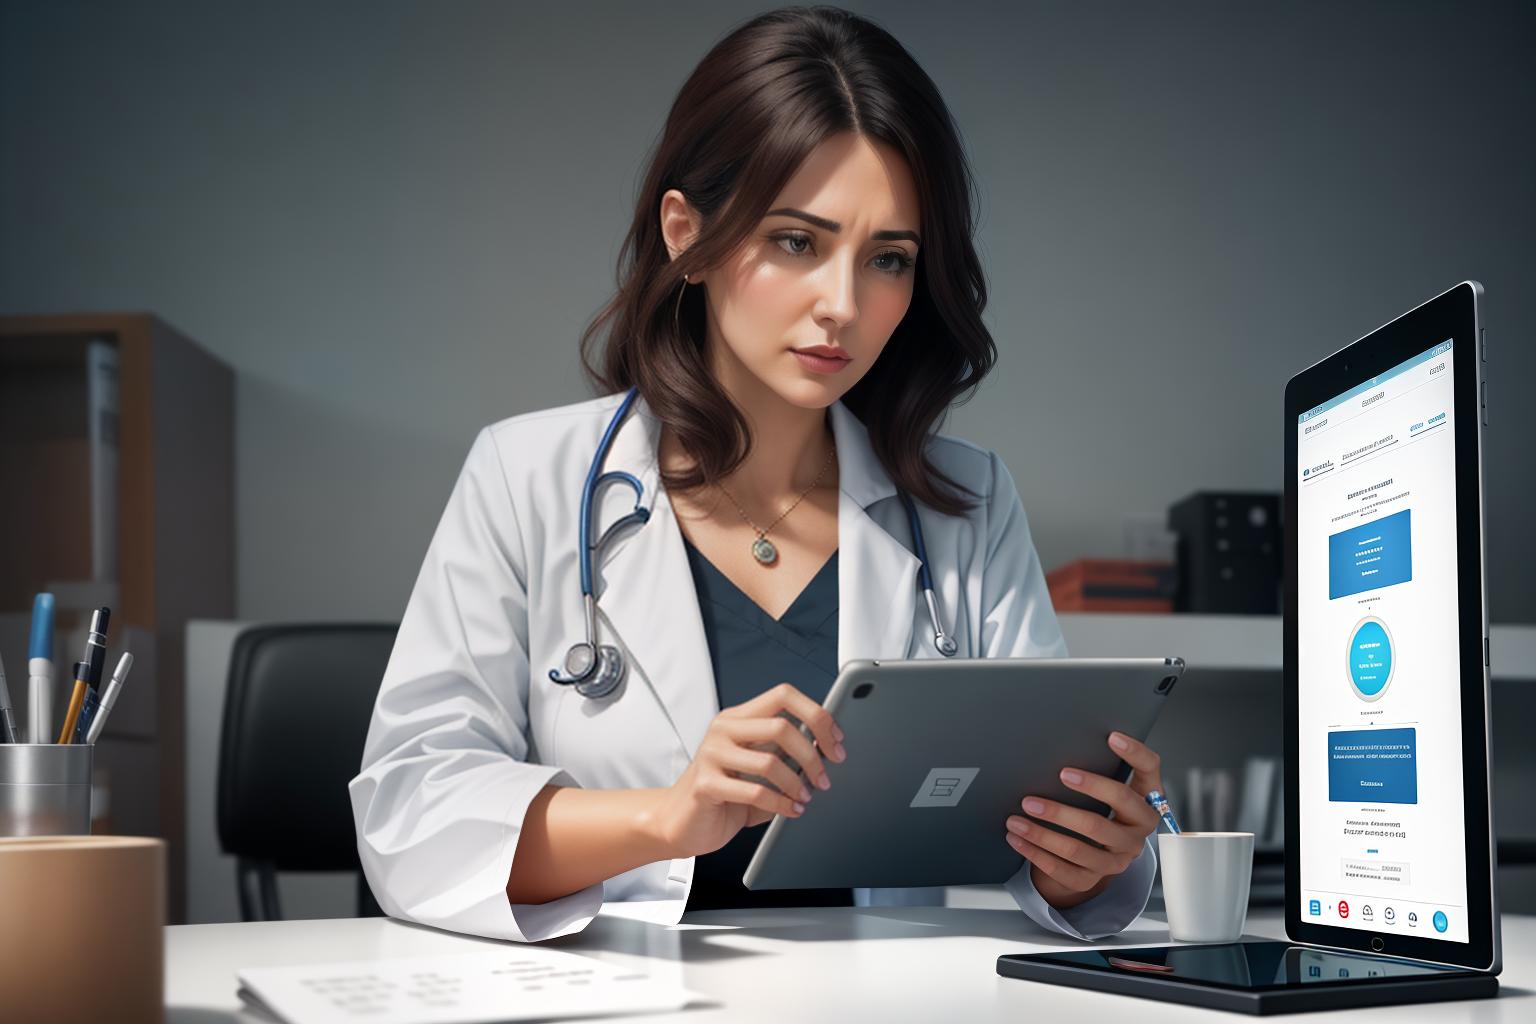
[(445, 782), (1020, 622)]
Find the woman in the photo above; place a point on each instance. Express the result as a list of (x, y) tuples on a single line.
[(800, 305)]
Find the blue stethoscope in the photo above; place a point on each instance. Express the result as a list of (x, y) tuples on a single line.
[(597, 670)]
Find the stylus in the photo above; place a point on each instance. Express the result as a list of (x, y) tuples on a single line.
[(1160, 805)]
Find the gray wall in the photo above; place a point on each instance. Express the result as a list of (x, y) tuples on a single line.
[(393, 220)]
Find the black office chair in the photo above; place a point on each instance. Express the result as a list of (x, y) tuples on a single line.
[(295, 717)]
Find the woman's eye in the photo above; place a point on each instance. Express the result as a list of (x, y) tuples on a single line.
[(796, 238), (895, 263)]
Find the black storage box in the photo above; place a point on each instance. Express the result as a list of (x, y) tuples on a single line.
[(1228, 552)]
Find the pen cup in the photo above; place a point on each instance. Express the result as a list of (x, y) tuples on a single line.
[(1206, 876), (45, 789)]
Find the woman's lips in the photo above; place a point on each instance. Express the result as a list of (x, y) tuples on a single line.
[(820, 364)]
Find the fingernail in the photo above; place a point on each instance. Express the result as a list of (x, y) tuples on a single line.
[(1014, 841), (799, 808), (1034, 806), (823, 782), (1118, 741), (1019, 825), (839, 753), (837, 730), (1071, 775), (805, 793)]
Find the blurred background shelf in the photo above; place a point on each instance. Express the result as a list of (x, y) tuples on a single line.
[(170, 506)]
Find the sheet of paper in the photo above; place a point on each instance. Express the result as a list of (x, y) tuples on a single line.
[(520, 983)]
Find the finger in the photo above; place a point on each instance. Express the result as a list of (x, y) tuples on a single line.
[(1086, 823), (1069, 848), (1130, 808), (757, 817), (1147, 767), (766, 765), (751, 794), (1076, 878), (792, 741), (813, 716)]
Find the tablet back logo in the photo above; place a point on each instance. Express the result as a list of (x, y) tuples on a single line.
[(944, 787)]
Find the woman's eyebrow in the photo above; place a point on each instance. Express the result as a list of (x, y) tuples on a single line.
[(834, 227)]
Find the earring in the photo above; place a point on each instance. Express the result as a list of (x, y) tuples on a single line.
[(677, 307)]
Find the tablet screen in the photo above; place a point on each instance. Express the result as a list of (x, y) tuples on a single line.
[(1382, 844)]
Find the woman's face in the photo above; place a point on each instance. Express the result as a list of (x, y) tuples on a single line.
[(836, 273)]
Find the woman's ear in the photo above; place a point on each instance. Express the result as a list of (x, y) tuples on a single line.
[(679, 222)]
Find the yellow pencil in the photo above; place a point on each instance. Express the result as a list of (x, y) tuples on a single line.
[(76, 702)]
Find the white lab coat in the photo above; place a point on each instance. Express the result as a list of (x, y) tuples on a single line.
[(468, 727)]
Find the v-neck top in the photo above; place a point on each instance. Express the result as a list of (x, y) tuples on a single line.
[(751, 652)]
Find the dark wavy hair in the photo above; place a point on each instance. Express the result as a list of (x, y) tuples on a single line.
[(756, 106)]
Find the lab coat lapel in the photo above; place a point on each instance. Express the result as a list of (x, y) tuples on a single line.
[(645, 589), (876, 574)]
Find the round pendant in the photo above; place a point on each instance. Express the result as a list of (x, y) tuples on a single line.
[(764, 551)]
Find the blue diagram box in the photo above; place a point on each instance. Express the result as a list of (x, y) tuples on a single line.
[(1367, 557), (1373, 766)]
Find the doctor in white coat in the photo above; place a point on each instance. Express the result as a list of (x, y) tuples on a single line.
[(497, 801)]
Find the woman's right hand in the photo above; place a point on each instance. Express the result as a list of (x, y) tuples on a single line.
[(712, 800)]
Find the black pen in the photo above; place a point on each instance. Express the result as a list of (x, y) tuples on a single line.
[(87, 673)]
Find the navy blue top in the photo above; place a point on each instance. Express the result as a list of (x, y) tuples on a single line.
[(751, 652)]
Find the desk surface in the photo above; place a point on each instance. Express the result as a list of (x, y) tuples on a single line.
[(832, 964)]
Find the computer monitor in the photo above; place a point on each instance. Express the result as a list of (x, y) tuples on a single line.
[(1389, 829)]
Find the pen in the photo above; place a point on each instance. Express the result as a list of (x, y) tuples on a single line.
[(40, 669), (7, 720), (1160, 805), (109, 698), (87, 673)]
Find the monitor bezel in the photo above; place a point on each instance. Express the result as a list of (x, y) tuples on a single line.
[(1454, 315)]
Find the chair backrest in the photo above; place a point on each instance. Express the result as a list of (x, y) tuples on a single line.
[(296, 714)]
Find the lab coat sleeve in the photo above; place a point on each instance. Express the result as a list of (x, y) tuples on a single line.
[(1020, 622), (446, 777)]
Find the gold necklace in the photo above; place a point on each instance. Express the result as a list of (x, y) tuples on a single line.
[(762, 548)]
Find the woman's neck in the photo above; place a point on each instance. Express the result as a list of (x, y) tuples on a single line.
[(790, 449), (791, 446)]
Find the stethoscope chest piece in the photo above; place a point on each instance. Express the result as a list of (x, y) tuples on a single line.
[(593, 677)]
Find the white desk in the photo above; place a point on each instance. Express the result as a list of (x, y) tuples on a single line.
[(840, 964)]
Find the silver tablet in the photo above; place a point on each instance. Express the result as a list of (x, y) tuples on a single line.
[(940, 753)]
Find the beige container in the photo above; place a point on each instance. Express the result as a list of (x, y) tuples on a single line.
[(82, 929)]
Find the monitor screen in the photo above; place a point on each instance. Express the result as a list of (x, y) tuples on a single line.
[(1382, 844)]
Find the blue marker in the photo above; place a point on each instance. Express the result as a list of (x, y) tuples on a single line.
[(1160, 805), (40, 670)]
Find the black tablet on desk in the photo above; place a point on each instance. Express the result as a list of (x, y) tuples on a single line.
[(1257, 977)]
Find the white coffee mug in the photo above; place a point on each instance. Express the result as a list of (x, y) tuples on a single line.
[(1205, 883)]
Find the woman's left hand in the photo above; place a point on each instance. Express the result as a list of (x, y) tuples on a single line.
[(1067, 870)]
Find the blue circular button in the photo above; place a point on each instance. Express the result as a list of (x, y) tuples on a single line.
[(1370, 658), (1441, 924)]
